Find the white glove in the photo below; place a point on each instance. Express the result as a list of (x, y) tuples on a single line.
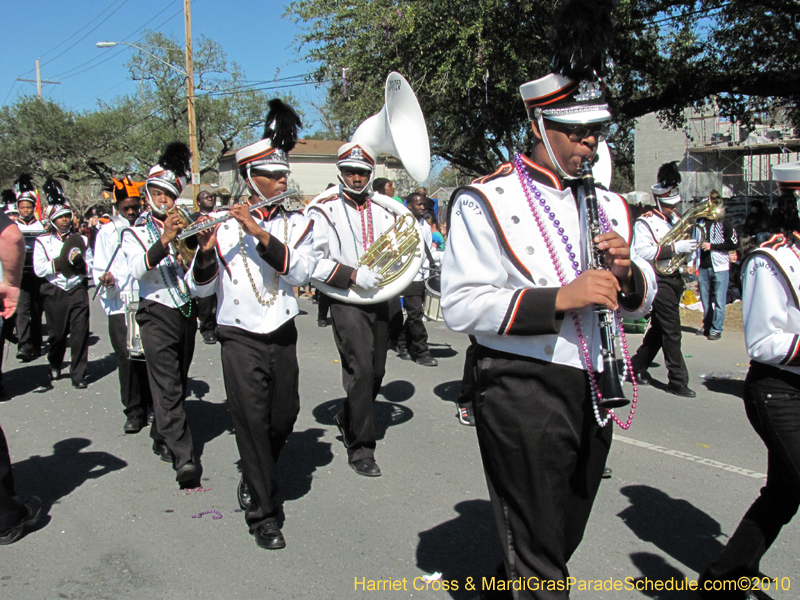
[(685, 246), (367, 279)]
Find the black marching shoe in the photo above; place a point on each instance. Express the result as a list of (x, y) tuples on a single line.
[(161, 450), (427, 361), (188, 475), (342, 430), (684, 391), (320, 323), (642, 378), (404, 354), (133, 425), (80, 385), (269, 536), (34, 507), (209, 338), (607, 473), (366, 467), (55, 373), (25, 356)]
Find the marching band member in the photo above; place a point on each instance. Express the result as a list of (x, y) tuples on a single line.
[(665, 326), (251, 264), (166, 314), (413, 340), (29, 309), (346, 223), (515, 276), (771, 311), (65, 293), (114, 283), (206, 307)]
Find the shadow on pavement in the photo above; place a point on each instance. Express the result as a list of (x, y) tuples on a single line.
[(387, 415), (398, 390), (679, 529), (463, 547), (733, 387), (654, 568), (207, 420), (21, 380), (449, 390), (97, 369), (442, 350), (56, 476), (197, 388), (303, 454)]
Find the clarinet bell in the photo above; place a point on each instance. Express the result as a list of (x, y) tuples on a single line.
[(613, 396)]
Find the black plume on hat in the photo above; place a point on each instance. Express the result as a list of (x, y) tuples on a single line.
[(54, 192), (582, 32), (176, 158), (282, 125), (8, 198), (668, 175), (24, 183)]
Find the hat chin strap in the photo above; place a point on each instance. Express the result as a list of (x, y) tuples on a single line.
[(153, 207), (561, 172), (366, 189)]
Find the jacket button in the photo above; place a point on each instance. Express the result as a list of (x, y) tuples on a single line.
[(288, 312), (235, 282), (614, 222), (226, 227), (530, 250), (499, 190), (543, 281), (515, 219), (548, 350), (283, 292), (236, 302), (238, 321), (157, 296)]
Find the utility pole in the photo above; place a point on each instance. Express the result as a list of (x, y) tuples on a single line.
[(187, 11), (38, 81)]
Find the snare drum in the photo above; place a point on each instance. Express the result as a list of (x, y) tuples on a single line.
[(432, 307), (134, 339)]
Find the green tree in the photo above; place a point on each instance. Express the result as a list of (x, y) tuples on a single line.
[(466, 61)]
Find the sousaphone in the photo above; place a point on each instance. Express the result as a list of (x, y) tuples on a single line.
[(399, 130)]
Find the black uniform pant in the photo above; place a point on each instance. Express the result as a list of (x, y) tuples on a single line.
[(168, 342), (665, 332), (134, 388), (361, 333), (543, 454), (467, 393), (261, 382), (207, 314), (68, 317), (323, 306), (395, 322), (775, 416), (12, 510), (414, 337), (29, 314)]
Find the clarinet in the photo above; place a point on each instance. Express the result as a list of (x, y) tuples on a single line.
[(610, 387)]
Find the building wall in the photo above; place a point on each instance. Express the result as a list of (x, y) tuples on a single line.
[(654, 146)]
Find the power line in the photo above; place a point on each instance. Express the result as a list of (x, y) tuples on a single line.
[(13, 85), (88, 33), (105, 58)]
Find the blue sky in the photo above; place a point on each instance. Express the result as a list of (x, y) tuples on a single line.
[(252, 33)]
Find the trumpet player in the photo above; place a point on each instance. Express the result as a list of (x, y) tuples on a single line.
[(114, 280), (515, 277), (346, 224), (665, 325), (166, 315), (65, 291), (249, 264)]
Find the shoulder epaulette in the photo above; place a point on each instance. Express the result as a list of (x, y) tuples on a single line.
[(502, 171), (328, 199)]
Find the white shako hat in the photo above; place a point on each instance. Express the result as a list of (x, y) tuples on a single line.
[(357, 155), (170, 172), (566, 100), (58, 210), (667, 190), (271, 153), (787, 176)]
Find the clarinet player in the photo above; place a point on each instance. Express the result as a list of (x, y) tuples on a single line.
[(515, 276)]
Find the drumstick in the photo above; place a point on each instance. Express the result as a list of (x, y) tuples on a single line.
[(113, 256)]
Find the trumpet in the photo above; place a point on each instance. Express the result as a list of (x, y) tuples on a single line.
[(195, 228)]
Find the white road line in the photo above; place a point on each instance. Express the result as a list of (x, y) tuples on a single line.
[(686, 456)]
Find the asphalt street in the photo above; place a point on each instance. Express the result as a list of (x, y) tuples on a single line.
[(117, 526)]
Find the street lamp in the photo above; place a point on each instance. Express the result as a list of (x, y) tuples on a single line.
[(189, 74)]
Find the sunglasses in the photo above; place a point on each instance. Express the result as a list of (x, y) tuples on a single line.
[(273, 175), (578, 132)]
